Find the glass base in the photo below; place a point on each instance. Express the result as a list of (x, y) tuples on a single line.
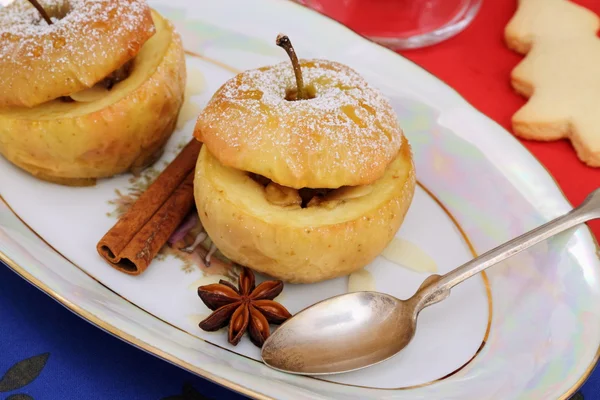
[(401, 24)]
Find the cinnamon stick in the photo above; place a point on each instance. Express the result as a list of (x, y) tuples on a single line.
[(137, 237)]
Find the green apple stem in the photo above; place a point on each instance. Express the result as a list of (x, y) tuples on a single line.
[(284, 42), (41, 11)]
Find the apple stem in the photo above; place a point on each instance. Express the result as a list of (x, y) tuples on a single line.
[(41, 11), (284, 42)]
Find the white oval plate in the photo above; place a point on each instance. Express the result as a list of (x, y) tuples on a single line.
[(530, 328)]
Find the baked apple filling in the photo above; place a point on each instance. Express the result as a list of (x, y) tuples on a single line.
[(117, 76), (307, 197), (100, 89)]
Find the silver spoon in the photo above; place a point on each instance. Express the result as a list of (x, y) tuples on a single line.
[(357, 330)]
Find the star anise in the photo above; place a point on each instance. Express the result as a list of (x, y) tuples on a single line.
[(245, 308)]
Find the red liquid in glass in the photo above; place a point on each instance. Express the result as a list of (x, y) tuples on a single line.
[(390, 18)]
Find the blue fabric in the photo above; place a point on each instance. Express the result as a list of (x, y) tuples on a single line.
[(76, 360), (47, 353)]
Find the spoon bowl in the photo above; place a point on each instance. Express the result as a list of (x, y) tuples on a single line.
[(343, 333)]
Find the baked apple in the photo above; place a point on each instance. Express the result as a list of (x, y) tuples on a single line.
[(305, 174), (104, 130)]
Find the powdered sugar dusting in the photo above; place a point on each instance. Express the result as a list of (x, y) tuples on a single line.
[(84, 33), (21, 19), (346, 135)]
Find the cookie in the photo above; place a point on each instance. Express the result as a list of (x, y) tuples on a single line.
[(560, 74)]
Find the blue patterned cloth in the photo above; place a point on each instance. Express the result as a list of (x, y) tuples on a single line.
[(47, 353)]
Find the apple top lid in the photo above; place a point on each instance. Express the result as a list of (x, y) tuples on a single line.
[(86, 41), (344, 134)]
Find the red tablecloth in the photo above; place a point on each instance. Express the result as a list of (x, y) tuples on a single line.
[(477, 64)]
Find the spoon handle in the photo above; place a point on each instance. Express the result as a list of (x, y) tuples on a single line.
[(438, 289)]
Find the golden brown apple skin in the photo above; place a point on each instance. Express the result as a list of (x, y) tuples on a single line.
[(300, 245), (42, 66), (75, 143)]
